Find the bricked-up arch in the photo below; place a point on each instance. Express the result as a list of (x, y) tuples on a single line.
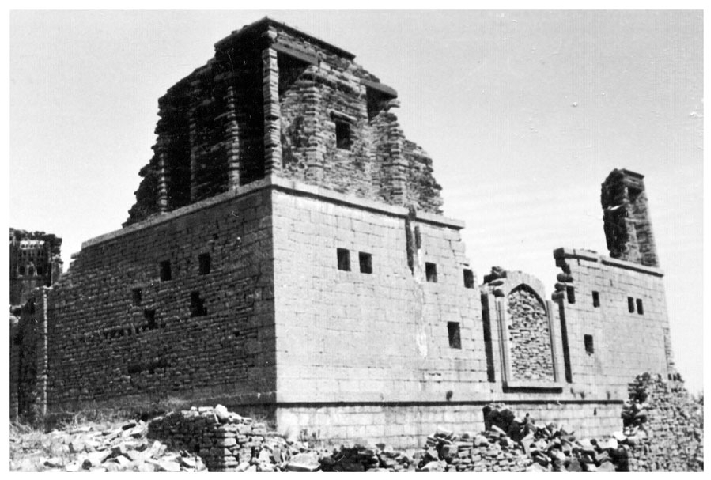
[(519, 327), (529, 336)]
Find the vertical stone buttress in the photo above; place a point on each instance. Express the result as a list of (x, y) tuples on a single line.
[(627, 225), (42, 373), (272, 110), (162, 181), (193, 151), (232, 133)]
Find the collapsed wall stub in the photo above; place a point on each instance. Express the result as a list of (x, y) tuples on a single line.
[(287, 253), (628, 227)]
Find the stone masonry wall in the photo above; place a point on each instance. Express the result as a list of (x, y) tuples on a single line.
[(276, 101), (529, 335), (628, 226), (595, 295), (381, 333), (174, 309), (407, 426), (28, 359)]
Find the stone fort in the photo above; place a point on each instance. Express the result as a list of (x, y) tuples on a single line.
[(287, 253)]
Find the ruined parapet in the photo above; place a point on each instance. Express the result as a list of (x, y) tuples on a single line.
[(627, 225), (35, 261), (275, 101)]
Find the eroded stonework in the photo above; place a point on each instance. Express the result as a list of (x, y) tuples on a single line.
[(287, 252)]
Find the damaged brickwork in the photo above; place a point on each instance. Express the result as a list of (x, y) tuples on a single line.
[(287, 252)]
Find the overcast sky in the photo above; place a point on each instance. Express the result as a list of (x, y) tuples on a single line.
[(524, 114)]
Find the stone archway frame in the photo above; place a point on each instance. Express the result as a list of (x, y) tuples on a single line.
[(500, 290)]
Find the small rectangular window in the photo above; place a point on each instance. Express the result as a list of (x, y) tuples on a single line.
[(455, 340), (343, 134), (366, 262), (197, 305), (630, 304), (204, 263), (431, 272), (596, 299), (570, 291), (137, 296), (165, 272), (640, 307), (150, 316), (344, 259), (468, 278), (588, 341)]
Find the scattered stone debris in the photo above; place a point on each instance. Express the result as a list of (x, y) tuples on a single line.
[(663, 431), (664, 425)]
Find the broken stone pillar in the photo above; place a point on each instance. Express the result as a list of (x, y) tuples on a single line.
[(627, 225)]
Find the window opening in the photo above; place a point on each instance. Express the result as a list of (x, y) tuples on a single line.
[(468, 278), (343, 134), (344, 259), (431, 272), (165, 271), (588, 341), (630, 304), (204, 263), (455, 340), (197, 305), (640, 307), (596, 299), (137, 296), (366, 262)]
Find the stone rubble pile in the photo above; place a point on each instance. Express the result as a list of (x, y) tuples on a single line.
[(124, 448), (664, 426), (663, 431)]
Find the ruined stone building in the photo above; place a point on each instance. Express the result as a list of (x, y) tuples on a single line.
[(287, 252), (35, 261)]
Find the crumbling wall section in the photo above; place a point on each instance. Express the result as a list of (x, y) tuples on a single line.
[(35, 261), (221, 438), (277, 101), (627, 223), (665, 425)]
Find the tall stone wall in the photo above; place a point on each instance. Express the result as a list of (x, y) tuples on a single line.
[(614, 316), (371, 330), (180, 308)]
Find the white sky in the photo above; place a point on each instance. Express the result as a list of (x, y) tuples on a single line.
[(524, 114)]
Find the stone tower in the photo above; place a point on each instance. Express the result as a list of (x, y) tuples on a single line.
[(627, 225)]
